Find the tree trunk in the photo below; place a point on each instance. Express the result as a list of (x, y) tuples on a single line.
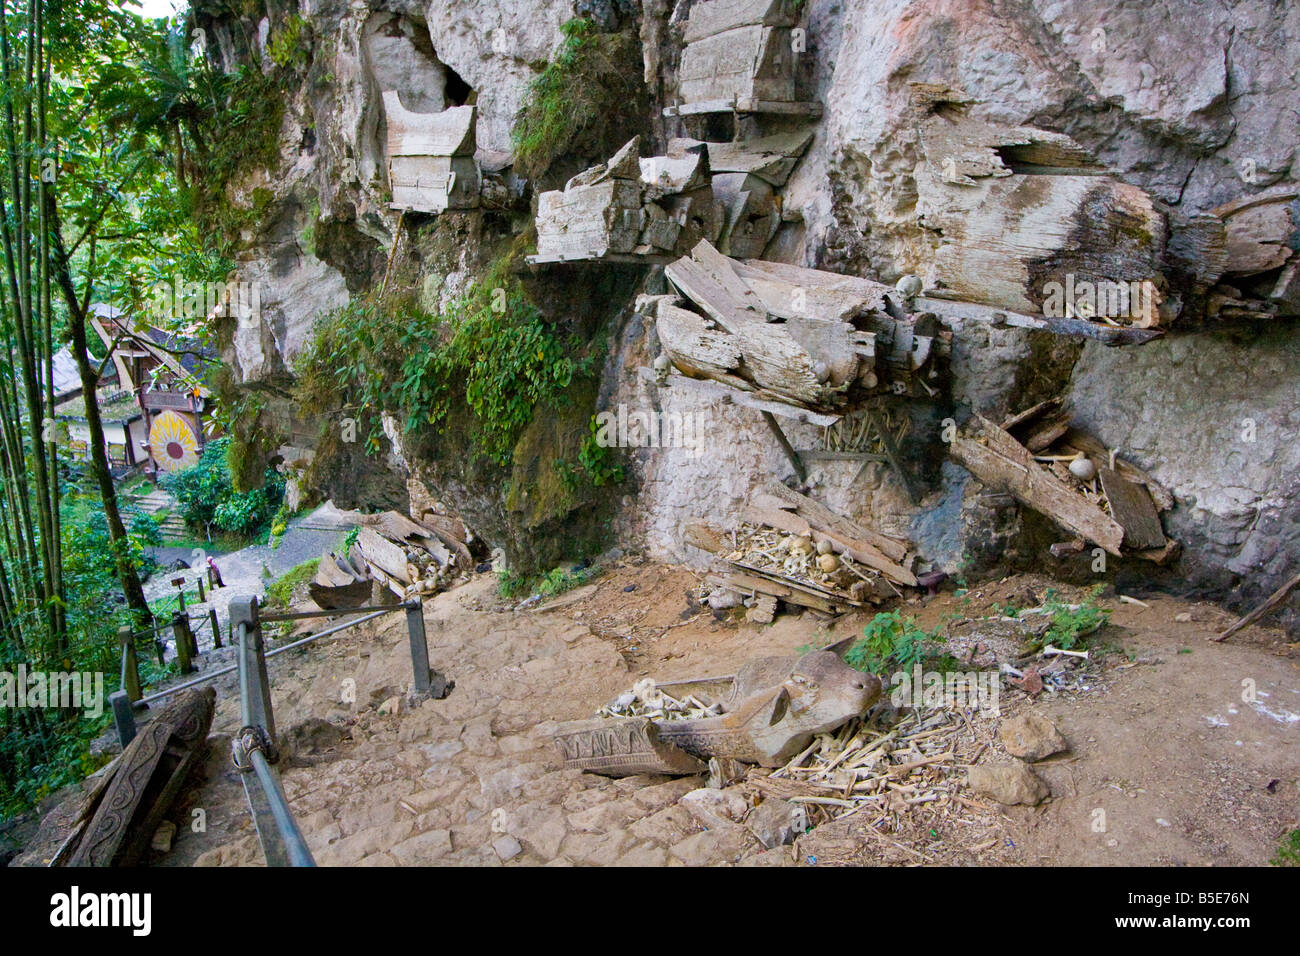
[(126, 572)]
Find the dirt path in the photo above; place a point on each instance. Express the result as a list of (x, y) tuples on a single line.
[(1185, 771)]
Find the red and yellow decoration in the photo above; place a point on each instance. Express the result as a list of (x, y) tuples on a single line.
[(173, 443)]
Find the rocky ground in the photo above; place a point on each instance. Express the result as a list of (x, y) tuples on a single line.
[(1167, 763), (1183, 770)]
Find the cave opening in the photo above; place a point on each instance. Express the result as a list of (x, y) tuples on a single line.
[(456, 92)]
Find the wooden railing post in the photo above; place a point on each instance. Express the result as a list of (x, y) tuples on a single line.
[(184, 641), (130, 664)]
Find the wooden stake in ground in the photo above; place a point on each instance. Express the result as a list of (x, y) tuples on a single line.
[(1276, 598)]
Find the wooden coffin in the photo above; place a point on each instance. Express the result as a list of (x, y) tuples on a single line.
[(745, 66), (588, 222)]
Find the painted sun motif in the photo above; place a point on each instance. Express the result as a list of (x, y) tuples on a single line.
[(172, 442)]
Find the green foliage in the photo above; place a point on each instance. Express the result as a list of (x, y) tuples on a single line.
[(1288, 851), (554, 582), (582, 88), (351, 538), (1070, 625), (891, 642), (290, 46), (281, 591), (490, 350), (599, 460), (206, 496)]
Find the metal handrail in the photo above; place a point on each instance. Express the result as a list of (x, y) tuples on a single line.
[(254, 746)]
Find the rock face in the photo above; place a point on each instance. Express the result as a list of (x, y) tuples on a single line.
[(1188, 100)]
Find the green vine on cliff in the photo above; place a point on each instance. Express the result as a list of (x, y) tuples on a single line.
[(582, 88), (490, 350)]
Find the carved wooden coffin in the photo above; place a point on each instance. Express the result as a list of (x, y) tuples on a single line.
[(776, 705), (434, 184), (746, 66), (588, 222), (431, 165), (120, 816), (1027, 217), (447, 133), (712, 17), (620, 747)]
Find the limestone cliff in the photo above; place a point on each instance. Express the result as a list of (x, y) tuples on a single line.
[(1189, 101)]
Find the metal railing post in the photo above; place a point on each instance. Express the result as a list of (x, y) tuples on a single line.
[(427, 680), (130, 664), (419, 645), (254, 687), (181, 637), (123, 717)]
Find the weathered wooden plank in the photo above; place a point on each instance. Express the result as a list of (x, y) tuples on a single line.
[(448, 133), (384, 554), (854, 288), (702, 535), (787, 449), (723, 272), (1040, 435), (771, 158), (711, 17), (1078, 440), (777, 518), (1132, 507), (1003, 464), (1029, 414), (939, 302), (692, 346), (834, 596), (844, 529), (1257, 230), (723, 393), (746, 105)]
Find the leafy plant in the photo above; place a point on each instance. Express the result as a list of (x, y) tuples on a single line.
[(489, 350), (554, 582), (585, 86), (891, 642), (1071, 624), (206, 495), (1288, 851), (279, 593)]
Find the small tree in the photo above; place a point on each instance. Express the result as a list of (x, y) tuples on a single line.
[(208, 499)]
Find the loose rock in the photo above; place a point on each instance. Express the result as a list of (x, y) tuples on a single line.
[(1031, 736)]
